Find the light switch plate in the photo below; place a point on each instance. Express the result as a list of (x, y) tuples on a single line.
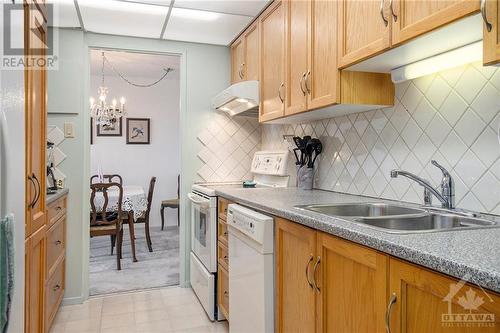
[(69, 130)]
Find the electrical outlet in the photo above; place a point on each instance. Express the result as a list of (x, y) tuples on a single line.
[(60, 183), (69, 131)]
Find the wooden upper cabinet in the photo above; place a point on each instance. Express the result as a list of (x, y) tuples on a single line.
[(412, 18), (237, 60), (272, 53), (353, 286), (322, 78), (491, 34), (36, 113), (425, 301), (251, 63), (295, 246), (365, 30), (296, 49)]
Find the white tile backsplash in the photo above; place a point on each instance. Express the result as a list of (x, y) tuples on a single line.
[(228, 145), (452, 117)]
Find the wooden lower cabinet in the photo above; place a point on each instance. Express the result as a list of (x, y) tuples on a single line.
[(352, 286), (295, 246), (328, 284), (426, 301), (223, 291), (35, 274)]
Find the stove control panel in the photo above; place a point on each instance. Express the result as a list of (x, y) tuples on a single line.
[(270, 163)]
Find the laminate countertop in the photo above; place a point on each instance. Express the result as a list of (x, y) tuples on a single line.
[(469, 254), (53, 197)]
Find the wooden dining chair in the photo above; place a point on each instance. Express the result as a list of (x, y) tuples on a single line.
[(104, 223), (108, 178), (171, 203), (144, 218)]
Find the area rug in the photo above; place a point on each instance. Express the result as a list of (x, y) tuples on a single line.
[(159, 268)]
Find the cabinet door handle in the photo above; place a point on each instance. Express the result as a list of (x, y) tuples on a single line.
[(388, 313), (32, 203), (316, 265), (394, 16), (243, 70), (382, 13), (39, 190), (279, 92), (307, 271), (308, 75), (485, 18), (300, 83)]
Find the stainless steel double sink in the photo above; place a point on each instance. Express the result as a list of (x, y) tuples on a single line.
[(395, 218)]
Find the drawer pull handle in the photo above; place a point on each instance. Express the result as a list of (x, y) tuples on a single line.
[(57, 242), (225, 233), (226, 293), (225, 258), (58, 208), (56, 287)]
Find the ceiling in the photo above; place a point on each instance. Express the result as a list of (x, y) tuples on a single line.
[(201, 21), (132, 64)]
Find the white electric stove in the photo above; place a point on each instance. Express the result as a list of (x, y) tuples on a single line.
[(269, 169)]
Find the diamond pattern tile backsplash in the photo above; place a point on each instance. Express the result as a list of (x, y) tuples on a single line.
[(228, 145), (452, 117)]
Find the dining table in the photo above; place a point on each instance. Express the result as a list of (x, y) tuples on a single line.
[(134, 202)]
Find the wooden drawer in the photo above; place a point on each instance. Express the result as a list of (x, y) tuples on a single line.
[(222, 232), (54, 292), (55, 210), (223, 291), (223, 203), (223, 255), (56, 244)]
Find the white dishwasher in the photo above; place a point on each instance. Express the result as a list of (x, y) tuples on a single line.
[(251, 270)]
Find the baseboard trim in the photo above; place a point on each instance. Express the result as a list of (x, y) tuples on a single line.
[(73, 300)]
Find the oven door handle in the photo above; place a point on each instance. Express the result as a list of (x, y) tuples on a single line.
[(195, 200)]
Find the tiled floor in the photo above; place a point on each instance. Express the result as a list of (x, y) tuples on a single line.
[(171, 309)]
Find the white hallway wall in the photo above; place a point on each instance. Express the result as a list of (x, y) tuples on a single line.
[(205, 71), (138, 163)]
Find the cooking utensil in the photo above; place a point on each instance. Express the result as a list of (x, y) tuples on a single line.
[(318, 149)]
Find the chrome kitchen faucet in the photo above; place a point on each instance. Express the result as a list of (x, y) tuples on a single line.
[(447, 195)]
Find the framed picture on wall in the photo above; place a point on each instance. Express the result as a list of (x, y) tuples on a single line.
[(138, 131), (115, 129)]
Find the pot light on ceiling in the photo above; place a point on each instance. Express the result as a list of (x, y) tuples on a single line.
[(446, 60), (192, 14)]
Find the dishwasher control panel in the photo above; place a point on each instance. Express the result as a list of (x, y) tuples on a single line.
[(251, 223)]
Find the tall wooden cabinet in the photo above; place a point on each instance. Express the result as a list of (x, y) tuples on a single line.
[(272, 53), (491, 32), (35, 115), (35, 35)]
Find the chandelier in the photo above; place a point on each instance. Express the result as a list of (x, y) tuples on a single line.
[(104, 114)]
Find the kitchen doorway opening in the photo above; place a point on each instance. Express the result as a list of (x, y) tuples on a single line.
[(137, 137)]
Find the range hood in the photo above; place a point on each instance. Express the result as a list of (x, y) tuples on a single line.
[(240, 99)]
